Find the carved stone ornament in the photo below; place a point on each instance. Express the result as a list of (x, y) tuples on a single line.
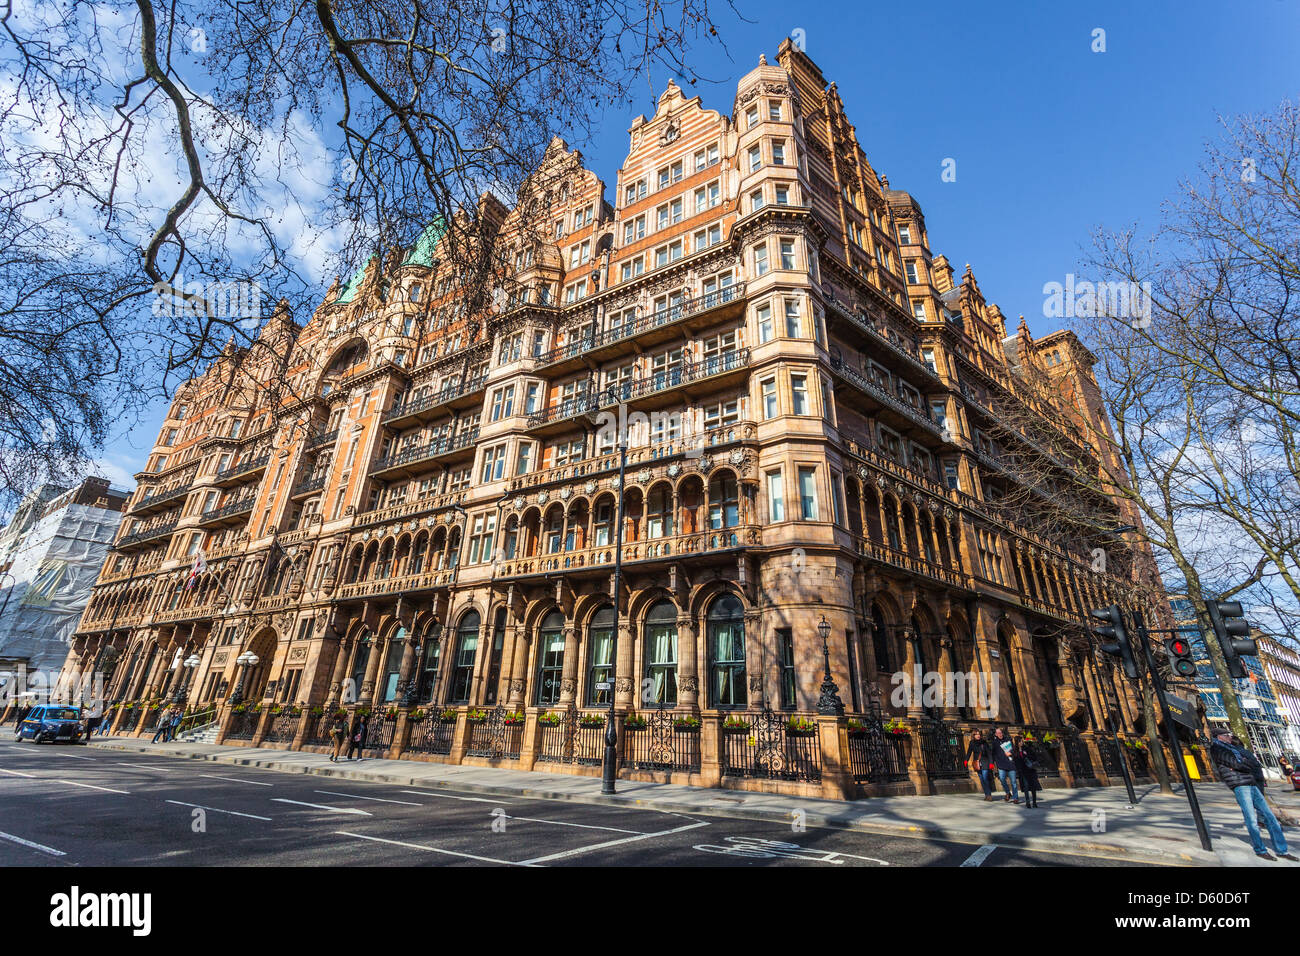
[(864, 472), (689, 684), (706, 463), (297, 654), (623, 685), (737, 456), (516, 686), (589, 488), (644, 475), (365, 535), (566, 494), (520, 501), (882, 482), (568, 686), (449, 518), (674, 470), (755, 684), (932, 506), (543, 497), (431, 521), (615, 483), (413, 525), (949, 513)]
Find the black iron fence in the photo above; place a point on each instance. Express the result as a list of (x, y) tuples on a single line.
[(498, 735), (570, 737), (876, 756), (661, 741), (282, 729), (431, 736), (243, 724), (379, 734), (1077, 757), (941, 748), (772, 746)]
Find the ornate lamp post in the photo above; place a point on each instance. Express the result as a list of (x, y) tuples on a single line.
[(829, 703), (183, 685), (412, 697), (244, 661)]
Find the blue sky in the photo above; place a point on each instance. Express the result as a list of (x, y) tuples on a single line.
[(1050, 139)]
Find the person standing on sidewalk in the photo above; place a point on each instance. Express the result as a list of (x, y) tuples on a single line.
[(160, 729), (338, 736), (1004, 759), (1026, 760), (174, 724), (1241, 771), (979, 752), (358, 740)]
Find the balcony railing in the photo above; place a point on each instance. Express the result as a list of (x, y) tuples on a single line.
[(326, 439), (147, 503), (230, 508), (887, 336), (244, 467), (909, 562), (439, 446), (309, 485), (641, 324), (435, 399), (655, 382), (647, 549), (410, 582), (148, 534), (854, 376)]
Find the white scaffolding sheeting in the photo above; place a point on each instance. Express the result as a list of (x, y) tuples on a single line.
[(53, 571)]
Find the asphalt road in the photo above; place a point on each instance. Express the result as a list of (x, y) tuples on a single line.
[(66, 805)]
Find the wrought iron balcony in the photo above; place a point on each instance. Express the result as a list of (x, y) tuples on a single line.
[(434, 401), (857, 378), (242, 469), (421, 453), (326, 439), (645, 323), (889, 337), (308, 485), (229, 510), (148, 534), (151, 503)]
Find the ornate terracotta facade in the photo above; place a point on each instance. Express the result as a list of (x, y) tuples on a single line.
[(426, 515)]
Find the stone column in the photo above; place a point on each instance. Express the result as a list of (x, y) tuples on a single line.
[(341, 663), (569, 672), (950, 711), (625, 682), (688, 675), (519, 673), (914, 708)]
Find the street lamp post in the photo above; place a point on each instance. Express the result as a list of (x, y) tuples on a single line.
[(244, 661), (412, 696), (183, 685), (829, 703)]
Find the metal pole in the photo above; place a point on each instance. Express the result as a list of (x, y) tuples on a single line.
[(609, 770), (1159, 685), (1110, 729)]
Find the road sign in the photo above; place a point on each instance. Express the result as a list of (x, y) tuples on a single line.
[(1183, 712)]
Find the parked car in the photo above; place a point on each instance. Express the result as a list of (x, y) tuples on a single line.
[(51, 722)]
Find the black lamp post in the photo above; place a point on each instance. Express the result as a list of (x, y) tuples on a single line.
[(183, 680), (413, 688), (244, 661), (829, 703)]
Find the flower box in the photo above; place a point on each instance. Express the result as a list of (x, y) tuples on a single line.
[(417, 715), (550, 719), (447, 716), (688, 724), (591, 720), (512, 719), (634, 722), (476, 716)]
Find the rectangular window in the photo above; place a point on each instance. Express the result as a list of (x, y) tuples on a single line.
[(503, 403), (918, 309), (774, 110), (633, 191), (904, 236), (775, 496), (778, 153), (769, 398), (524, 463), (764, 323), (799, 394), (494, 463), (785, 640), (787, 253), (760, 259), (808, 493), (755, 158), (634, 230), (783, 195), (751, 117), (910, 269), (793, 320), (756, 200)]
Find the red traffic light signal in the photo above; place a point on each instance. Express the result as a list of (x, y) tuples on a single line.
[(1179, 650)]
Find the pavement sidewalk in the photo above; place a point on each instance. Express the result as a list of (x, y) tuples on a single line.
[(1092, 821)]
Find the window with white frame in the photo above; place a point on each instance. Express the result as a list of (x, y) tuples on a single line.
[(704, 158), (904, 235), (482, 533), (755, 158), (787, 253), (799, 394), (494, 463), (775, 496), (503, 403), (633, 192), (909, 269), (751, 117), (768, 387), (918, 309), (706, 197), (756, 200), (760, 259), (778, 152), (764, 323), (774, 110), (634, 229), (783, 195), (793, 319), (808, 493)]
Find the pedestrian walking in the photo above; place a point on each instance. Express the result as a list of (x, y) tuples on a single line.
[(175, 723), (1005, 761), (92, 724), (1241, 771), (160, 729), (981, 755), (358, 741), (338, 735), (1027, 762)]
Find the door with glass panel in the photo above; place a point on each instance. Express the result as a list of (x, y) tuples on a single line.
[(661, 655), (550, 659), (600, 661)]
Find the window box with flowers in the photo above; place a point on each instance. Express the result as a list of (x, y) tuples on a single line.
[(390, 714), (856, 728), (735, 725), (550, 719), (339, 713), (155, 705), (591, 720), (1135, 744), (476, 716), (317, 712), (446, 716), (417, 715), (634, 722), (896, 727), (1051, 741), (513, 718), (800, 727), (361, 712), (688, 723)]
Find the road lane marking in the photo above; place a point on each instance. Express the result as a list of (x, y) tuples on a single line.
[(91, 786), (585, 826), (980, 855), (431, 793), (233, 813), (145, 766), (429, 849), (35, 846), (600, 846), (357, 796), (17, 774), (212, 776), (321, 806), (73, 756), (758, 848)]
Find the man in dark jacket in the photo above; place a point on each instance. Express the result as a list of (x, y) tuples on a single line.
[(1004, 759), (979, 752), (1240, 770)]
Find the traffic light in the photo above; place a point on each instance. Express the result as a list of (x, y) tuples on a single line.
[(1117, 636), (1231, 629), (1179, 650)]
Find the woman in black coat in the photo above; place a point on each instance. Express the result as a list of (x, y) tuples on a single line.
[(1027, 770), (358, 739)]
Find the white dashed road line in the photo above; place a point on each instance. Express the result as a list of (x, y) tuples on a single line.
[(980, 855), (28, 843), (73, 756), (357, 796), (233, 813), (600, 846), (585, 826), (18, 774), (321, 806), (431, 793), (212, 776), (145, 766), (91, 786), (429, 849)]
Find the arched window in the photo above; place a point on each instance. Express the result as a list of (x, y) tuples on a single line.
[(418, 553), (1009, 674), (661, 652), (600, 656), (462, 675), (726, 641), (660, 515), (427, 679), (393, 664), (724, 502), (880, 641), (550, 658), (359, 661)]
